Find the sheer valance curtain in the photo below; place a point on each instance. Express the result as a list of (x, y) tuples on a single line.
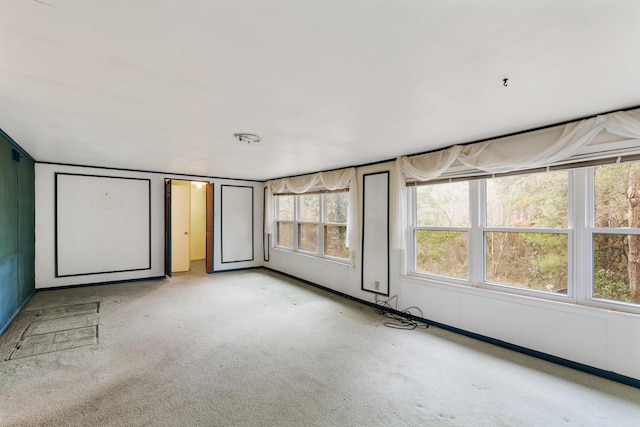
[(577, 141), (332, 180)]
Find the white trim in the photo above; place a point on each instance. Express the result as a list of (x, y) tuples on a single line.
[(580, 234), (562, 306), (332, 259)]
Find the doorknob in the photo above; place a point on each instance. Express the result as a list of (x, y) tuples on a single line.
[(186, 232)]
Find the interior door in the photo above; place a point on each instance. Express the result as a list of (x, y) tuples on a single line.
[(180, 211), (167, 228), (209, 211)]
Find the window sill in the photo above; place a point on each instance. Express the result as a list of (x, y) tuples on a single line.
[(589, 308), (495, 287), (346, 262)]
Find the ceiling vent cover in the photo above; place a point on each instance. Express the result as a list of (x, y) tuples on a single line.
[(247, 138), (15, 155)]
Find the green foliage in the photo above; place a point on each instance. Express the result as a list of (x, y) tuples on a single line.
[(442, 252), (530, 260), (612, 286), (613, 259), (535, 200)]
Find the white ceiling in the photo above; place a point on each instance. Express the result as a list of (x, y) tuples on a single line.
[(163, 85)]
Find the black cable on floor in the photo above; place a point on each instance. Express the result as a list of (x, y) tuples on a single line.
[(399, 321)]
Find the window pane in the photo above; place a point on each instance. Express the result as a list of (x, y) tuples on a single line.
[(334, 241), (308, 237), (285, 234), (310, 208), (527, 260), (444, 205), (442, 252), (616, 267), (337, 204), (285, 207), (537, 200), (612, 185)]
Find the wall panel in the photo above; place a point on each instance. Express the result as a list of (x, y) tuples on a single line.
[(103, 224), (375, 234), (16, 231), (237, 223)]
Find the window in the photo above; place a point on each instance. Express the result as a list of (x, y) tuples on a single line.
[(335, 226), (569, 235), (309, 222), (441, 232), (313, 223), (615, 233), (526, 237), (285, 207)]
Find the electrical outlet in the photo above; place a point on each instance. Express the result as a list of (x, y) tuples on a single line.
[(376, 285)]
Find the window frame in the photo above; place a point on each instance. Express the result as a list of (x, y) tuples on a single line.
[(580, 233), (413, 237), (590, 230), (476, 243), (278, 221), (483, 228), (321, 224), (299, 222)]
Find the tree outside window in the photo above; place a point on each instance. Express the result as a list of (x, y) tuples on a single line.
[(442, 229), (522, 236), (616, 233), (313, 223), (285, 216), (526, 237)]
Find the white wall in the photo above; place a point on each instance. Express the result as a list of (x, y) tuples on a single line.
[(341, 277), (197, 226), (45, 260), (599, 338)]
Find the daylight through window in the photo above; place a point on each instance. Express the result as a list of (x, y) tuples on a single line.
[(519, 232), (313, 223)]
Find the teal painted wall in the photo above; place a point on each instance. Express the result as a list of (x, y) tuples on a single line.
[(17, 228)]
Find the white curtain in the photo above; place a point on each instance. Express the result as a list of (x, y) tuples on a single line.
[(332, 180), (504, 155), (423, 168)]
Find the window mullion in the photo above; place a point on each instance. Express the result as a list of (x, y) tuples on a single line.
[(296, 222), (321, 225), (412, 211), (584, 209), (476, 236)]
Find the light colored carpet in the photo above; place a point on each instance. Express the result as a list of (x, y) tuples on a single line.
[(253, 348)]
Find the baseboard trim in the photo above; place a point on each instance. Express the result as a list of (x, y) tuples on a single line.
[(236, 269), (609, 375), (112, 282)]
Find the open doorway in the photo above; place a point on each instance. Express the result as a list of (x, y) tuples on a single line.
[(188, 227)]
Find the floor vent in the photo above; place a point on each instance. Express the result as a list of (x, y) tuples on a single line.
[(52, 329)]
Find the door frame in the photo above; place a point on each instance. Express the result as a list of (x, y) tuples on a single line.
[(167, 228), (208, 231), (209, 227)]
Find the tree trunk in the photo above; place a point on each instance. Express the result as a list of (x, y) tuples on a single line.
[(633, 197)]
